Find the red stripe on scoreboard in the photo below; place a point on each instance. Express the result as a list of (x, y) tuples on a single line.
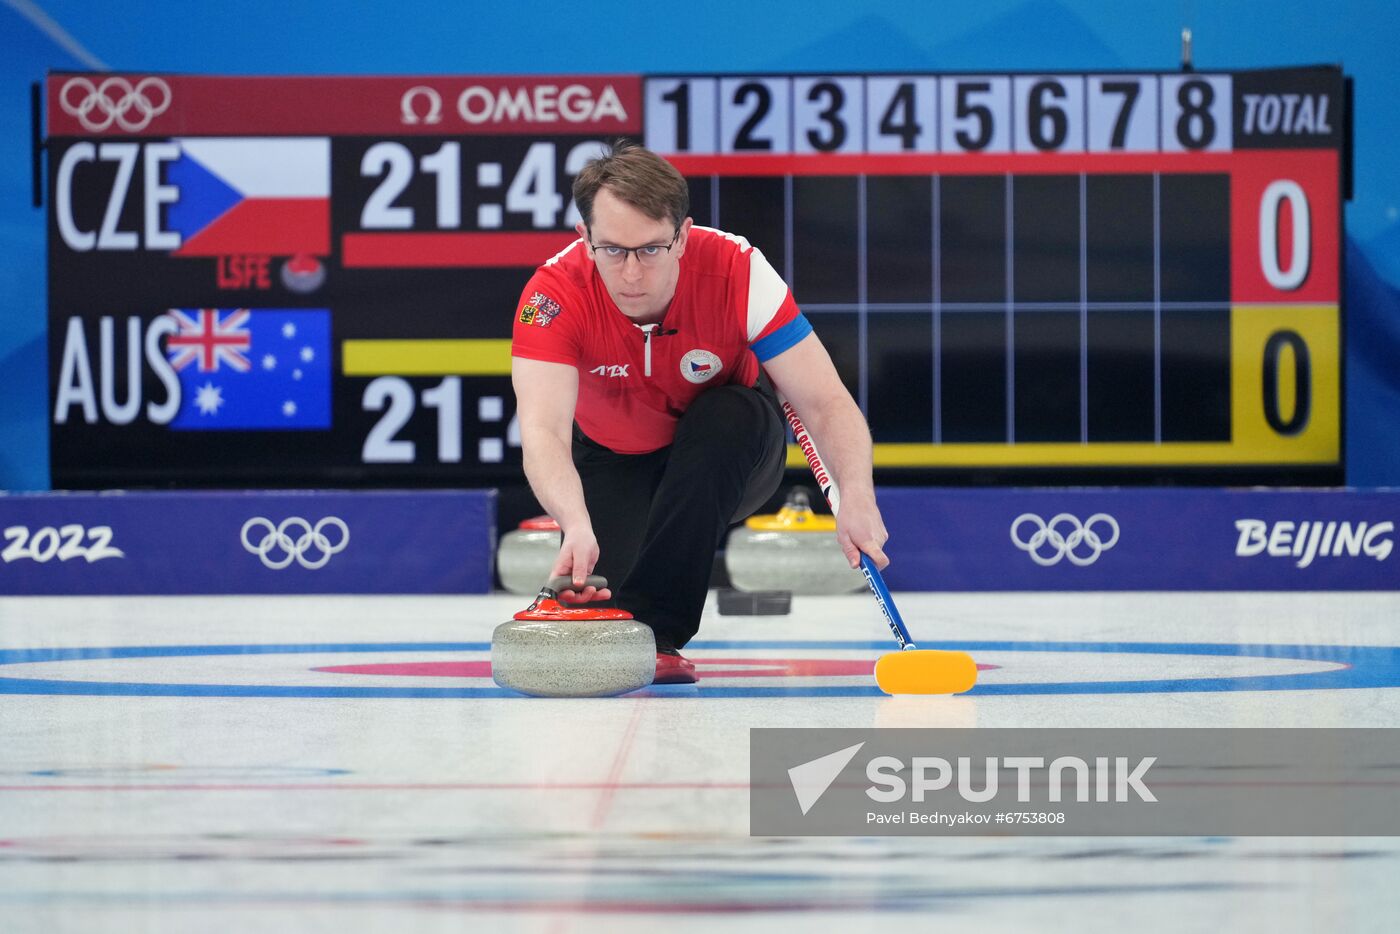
[(954, 163), (133, 105), (450, 250)]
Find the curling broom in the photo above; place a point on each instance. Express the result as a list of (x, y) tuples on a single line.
[(911, 670)]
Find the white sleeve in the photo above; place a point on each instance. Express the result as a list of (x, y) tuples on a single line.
[(767, 290)]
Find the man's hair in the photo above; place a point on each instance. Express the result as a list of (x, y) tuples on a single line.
[(636, 176)]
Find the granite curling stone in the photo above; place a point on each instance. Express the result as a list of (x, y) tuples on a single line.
[(795, 550), (553, 650), (526, 555)]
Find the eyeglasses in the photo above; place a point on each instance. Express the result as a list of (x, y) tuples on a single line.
[(649, 255)]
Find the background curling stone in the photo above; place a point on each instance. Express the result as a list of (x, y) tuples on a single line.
[(526, 555), (795, 550), (553, 650)]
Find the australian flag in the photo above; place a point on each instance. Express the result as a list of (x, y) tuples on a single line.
[(262, 369)]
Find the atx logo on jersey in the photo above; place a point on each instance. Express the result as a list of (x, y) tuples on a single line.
[(614, 370)]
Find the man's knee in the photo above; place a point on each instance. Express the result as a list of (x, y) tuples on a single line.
[(727, 411)]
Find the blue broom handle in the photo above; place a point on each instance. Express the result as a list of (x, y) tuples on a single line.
[(827, 484), (882, 597)]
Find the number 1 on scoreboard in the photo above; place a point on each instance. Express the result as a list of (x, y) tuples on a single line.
[(680, 116)]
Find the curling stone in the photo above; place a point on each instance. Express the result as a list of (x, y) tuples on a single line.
[(794, 550), (553, 650), (527, 554)]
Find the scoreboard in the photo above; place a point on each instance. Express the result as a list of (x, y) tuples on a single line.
[(305, 280)]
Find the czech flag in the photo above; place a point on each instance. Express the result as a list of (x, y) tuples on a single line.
[(241, 196)]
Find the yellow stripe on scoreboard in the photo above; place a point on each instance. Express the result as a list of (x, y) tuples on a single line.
[(425, 357)]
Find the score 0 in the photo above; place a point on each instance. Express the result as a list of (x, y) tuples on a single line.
[(1285, 219)]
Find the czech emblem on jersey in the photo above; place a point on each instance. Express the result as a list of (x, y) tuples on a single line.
[(700, 366), (540, 310)]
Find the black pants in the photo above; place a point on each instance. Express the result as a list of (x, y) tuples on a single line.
[(660, 517)]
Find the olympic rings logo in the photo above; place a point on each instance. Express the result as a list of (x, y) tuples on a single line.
[(311, 538), (118, 108), (1065, 545)]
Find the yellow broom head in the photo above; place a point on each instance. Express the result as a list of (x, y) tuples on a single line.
[(925, 671)]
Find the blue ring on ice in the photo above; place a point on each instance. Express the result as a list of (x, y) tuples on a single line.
[(1367, 667)]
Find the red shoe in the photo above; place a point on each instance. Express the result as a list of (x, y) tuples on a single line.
[(674, 669)]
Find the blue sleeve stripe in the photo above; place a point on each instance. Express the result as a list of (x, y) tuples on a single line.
[(782, 339)]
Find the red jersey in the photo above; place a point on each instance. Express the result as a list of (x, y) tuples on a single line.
[(731, 311)]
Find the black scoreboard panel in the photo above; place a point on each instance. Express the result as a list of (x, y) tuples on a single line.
[(1000, 339), (1083, 277)]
